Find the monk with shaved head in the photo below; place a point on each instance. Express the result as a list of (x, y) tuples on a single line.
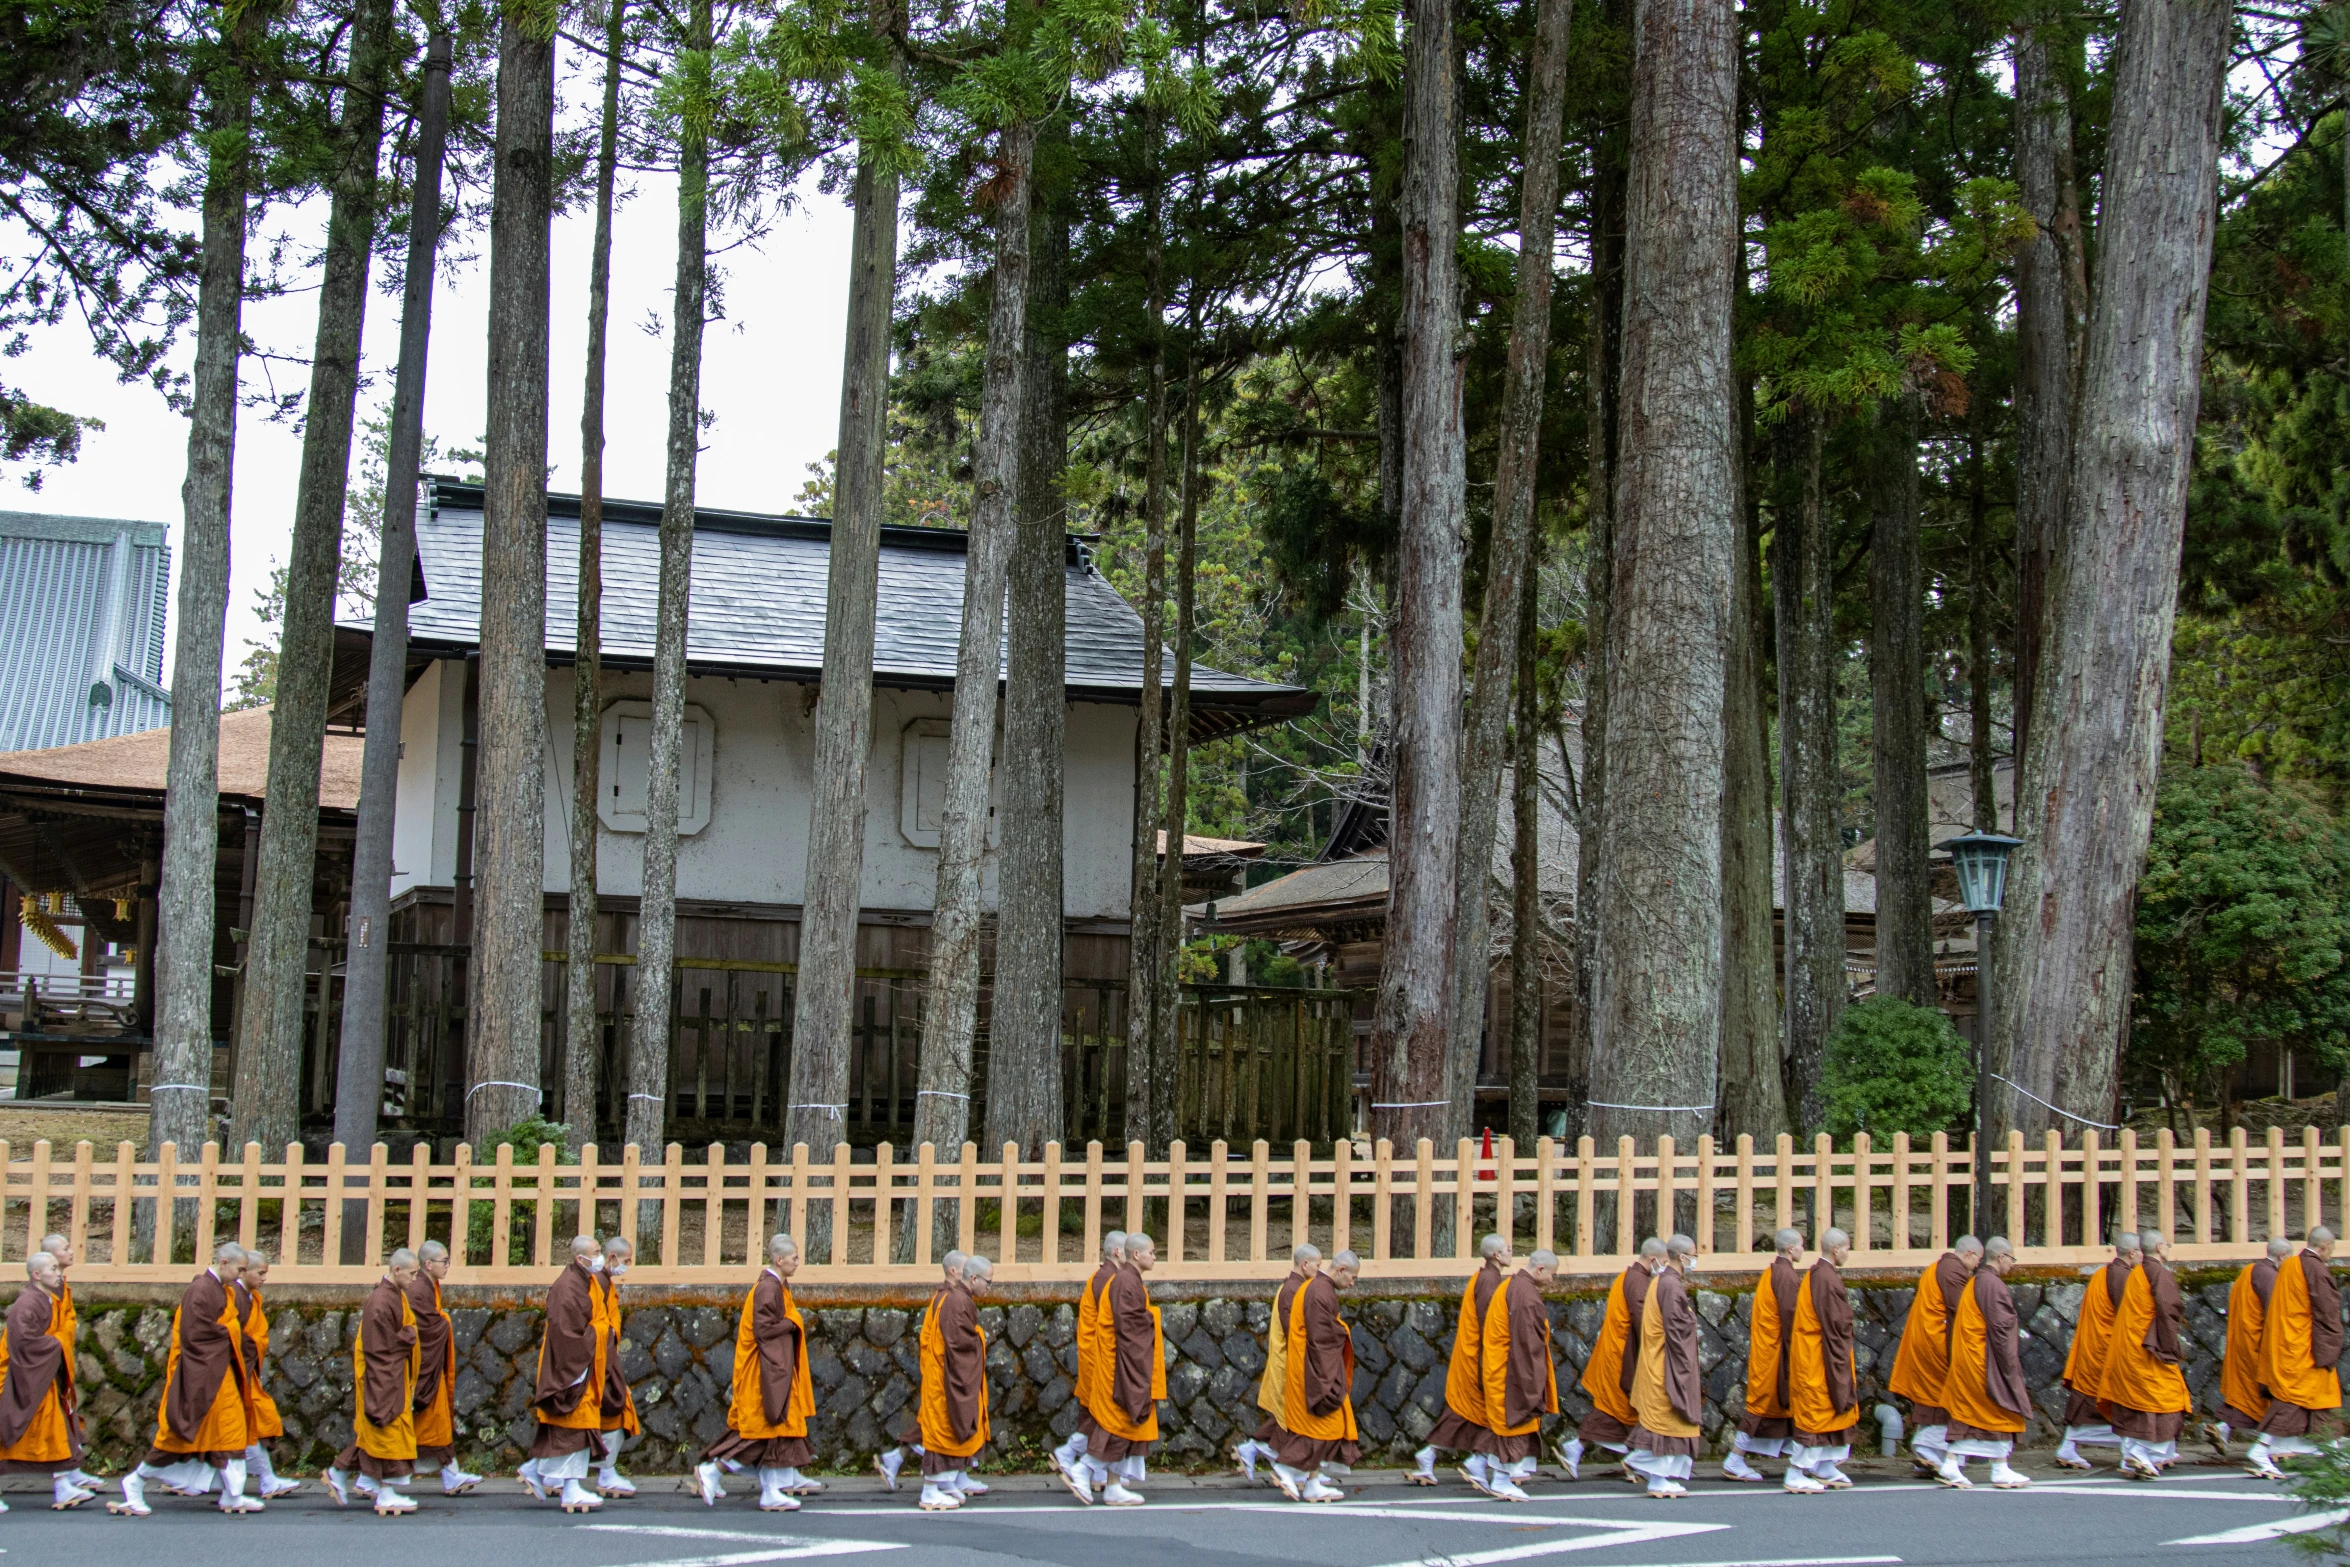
[(950, 1407), (774, 1396), (2300, 1355), (1121, 1420), (569, 1397), (1464, 1426), (1823, 1374), (1667, 1389), (1273, 1387), (2144, 1389), (1768, 1423), (1922, 1364), (384, 1361), (436, 1371), (1317, 1442), (1521, 1384), (205, 1420), (1984, 1392), (40, 1412), (1094, 1348), (2243, 1400), (2085, 1418)]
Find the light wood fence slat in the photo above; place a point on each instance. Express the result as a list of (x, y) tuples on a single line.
[(187, 1201)]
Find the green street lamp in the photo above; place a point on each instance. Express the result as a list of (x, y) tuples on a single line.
[(1980, 858)]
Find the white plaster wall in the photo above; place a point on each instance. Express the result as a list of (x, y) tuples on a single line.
[(424, 814), (755, 848)]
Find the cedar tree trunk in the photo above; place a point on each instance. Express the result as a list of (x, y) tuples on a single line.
[(1897, 684)]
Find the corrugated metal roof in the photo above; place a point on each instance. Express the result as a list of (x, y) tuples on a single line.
[(82, 603), (758, 602)]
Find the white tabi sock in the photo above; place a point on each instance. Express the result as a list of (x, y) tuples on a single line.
[(1131, 1470), (1426, 1459), (1071, 1451), (1759, 1446), (1097, 1473)]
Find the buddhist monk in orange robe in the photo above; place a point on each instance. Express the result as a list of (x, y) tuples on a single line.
[(268, 1424), (950, 1409), (617, 1407), (1922, 1363), (1615, 1357), (2243, 1401), (40, 1414), (2300, 1353), (1521, 1383), (568, 1399), (1273, 1382), (1823, 1372), (1122, 1422), (206, 1419), (1094, 1351), (774, 1396), (1318, 1441), (68, 1325), (1984, 1393), (436, 1371), (1768, 1423), (1667, 1389), (2142, 1388), (2085, 1420), (384, 1362), (1463, 1427)]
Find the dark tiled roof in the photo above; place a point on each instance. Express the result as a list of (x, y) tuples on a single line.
[(759, 601)]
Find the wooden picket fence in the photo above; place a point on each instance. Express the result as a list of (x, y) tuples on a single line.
[(1411, 1215)]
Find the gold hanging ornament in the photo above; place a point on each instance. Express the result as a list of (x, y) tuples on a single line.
[(41, 923)]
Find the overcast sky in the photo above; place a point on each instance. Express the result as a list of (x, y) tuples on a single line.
[(771, 371)]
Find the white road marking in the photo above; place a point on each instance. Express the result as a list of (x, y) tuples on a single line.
[(1502, 1513), (1610, 1534), (772, 1548), (1799, 1561), (2253, 1534)]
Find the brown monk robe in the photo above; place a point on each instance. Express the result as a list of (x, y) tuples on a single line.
[(1822, 1373), (206, 1417), (40, 1416), (1095, 1350), (2085, 1420), (2243, 1402), (1122, 1422), (268, 1425), (1318, 1441), (1521, 1384), (1666, 1390), (568, 1399), (383, 1374), (1273, 1383), (1767, 1424), (774, 1395), (1922, 1363), (1465, 1426), (950, 1414), (2300, 1353), (1988, 1404), (2141, 1387), (1615, 1355)]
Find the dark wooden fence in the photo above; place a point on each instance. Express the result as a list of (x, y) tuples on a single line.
[(1253, 1061)]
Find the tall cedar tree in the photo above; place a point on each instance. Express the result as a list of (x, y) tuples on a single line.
[(1413, 1030), (2085, 800), (180, 1105), (509, 821), (582, 1030), (648, 1035), (823, 1010), (359, 1073), (267, 1107), (1897, 683), (1656, 982)]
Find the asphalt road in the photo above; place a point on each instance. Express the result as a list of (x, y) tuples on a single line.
[(2201, 1515)]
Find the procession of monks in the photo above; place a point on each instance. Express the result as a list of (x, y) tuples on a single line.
[(1959, 1366)]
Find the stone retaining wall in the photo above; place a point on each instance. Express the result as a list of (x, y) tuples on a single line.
[(679, 1359)]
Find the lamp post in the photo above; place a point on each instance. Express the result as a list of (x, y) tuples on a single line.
[(1980, 858)]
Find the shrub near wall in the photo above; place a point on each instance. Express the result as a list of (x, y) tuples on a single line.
[(679, 1359)]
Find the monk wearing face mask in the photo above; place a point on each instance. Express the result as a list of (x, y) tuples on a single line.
[(569, 1398)]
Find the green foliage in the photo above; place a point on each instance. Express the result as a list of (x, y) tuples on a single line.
[(2321, 1483), (526, 1137), (2243, 927), (1893, 1066)]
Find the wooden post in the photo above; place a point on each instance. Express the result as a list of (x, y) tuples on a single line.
[(799, 1197), (2239, 1189), (1008, 1205), (967, 1210), (126, 1187), (543, 1232), (1052, 1202), (1860, 1191), (1219, 1167), (1705, 1194), (755, 1231), (1423, 1200), (1823, 1190), (590, 1181), (1584, 1160), (1382, 1199), (2274, 1189), (1093, 1200), (460, 1205), (672, 1192), (1666, 1218), (331, 1250), (1627, 1223), (1545, 1222), (1464, 1197), (207, 1194), (632, 1180), (2015, 1187), (714, 1213), (1783, 1182), (2203, 1185), (1176, 1201), (1342, 1193), (1938, 1214), (884, 1172), (2052, 1172), (1137, 1172), (1260, 1196), (1900, 1214), (1301, 1186), (77, 1215), (2313, 1197), (379, 1182), (843, 1167), (1745, 1198), (925, 1201), (2166, 1193), (167, 1182)]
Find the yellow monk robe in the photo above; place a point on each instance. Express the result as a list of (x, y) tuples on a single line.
[(40, 1415), (1096, 1343), (1975, 1392), (1923, 1362), (1769, 1414), (1125, 1293), (1336, 1424), (2084, 1364), (954, 1380), (1465, 1424), (207, 1407), (1273, 1386), (617, 1405), (1517, 1333), (62, 1327), (746, 1415), (2244, 1401), (2297, 1352), (391, 1443), (436, 1372), (268, 1425), (1665, 1380), (2142, 1387), (1820, 1362), (1607, 1378)]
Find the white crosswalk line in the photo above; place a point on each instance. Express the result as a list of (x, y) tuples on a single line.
[(768, 1547), (1610, 1534), (2253, 1534)]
